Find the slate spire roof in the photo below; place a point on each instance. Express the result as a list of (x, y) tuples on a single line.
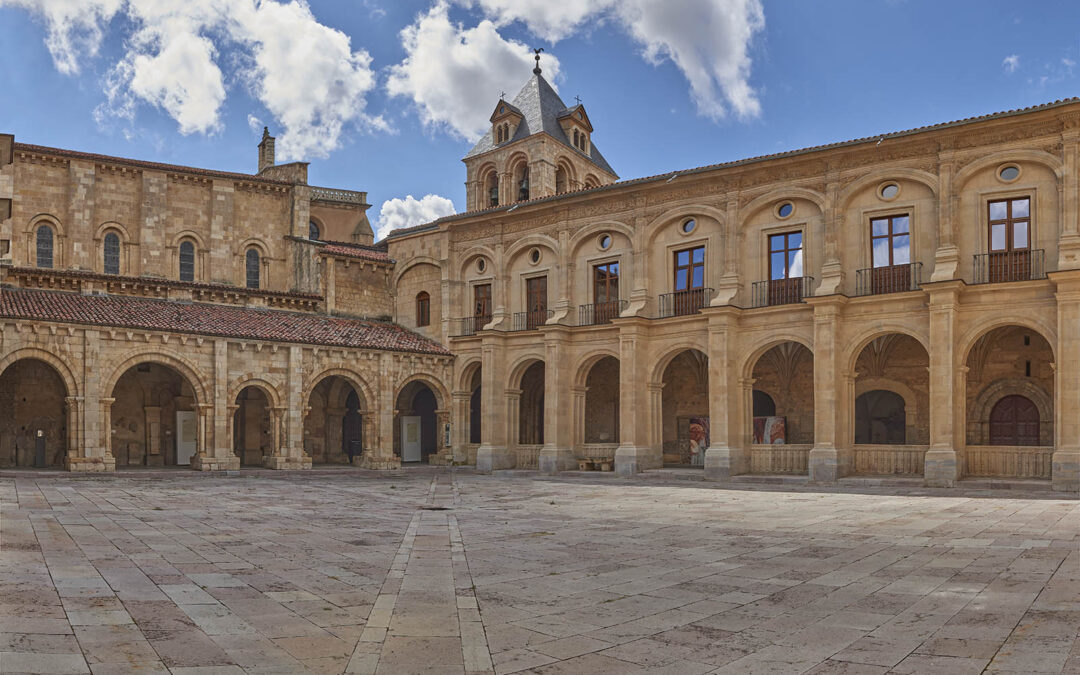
[(540, 108)]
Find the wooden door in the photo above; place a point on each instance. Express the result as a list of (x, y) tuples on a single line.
[(535, 302), (481, 306), (1014, 420)]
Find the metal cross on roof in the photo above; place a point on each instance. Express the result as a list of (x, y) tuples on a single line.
[(578, 99)]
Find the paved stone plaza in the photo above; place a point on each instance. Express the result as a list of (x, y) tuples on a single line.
[(429, 571)]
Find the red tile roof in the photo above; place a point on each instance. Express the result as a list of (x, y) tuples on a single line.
[(160, 281), (344, 249), (211, 320)]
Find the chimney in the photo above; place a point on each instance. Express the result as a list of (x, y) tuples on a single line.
[(266, 151)]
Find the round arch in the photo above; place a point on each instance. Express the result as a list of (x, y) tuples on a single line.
[(45, 219), (586, 363), (563, 162), (469, 255), (657, 375), (273, 397), (359, 385), (879, 175), (414, 262), (865, 385), (590, 231), (168, 358), (429, 380), (1020, 155), (467, 372), (522, 245), (194, 236), (256, 243), (984, 326), (772, 196), (590, 181), (864, 337), (61, 368), (517, 370), (760, 346)]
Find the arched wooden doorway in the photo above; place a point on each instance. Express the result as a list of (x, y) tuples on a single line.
[(1014, 420)]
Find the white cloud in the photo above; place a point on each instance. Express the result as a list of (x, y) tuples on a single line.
[(1011, 63), (396, 213), (454, 74), (305, 73), (708, 40), (73, 27)]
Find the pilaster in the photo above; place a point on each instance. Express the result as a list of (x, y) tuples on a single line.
[(557, 453), (1065, 464), (639, 447), (727, 454), (494, 452), (831, 457), (942, 464)]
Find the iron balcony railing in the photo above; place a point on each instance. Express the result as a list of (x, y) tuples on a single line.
[(532, 319), (601, 312), (469, 325), (681, 303), (889, 279), (996, 267), (782, 291)]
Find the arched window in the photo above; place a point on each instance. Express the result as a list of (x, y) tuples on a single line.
[(493, 189), (45, 247), (112, 253), (880, 418), (313, 231), (187, 261), (523, 184), (423, 309), (251, 267), (576, 143)]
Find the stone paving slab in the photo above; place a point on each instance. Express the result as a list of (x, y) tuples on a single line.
[(444, 571)]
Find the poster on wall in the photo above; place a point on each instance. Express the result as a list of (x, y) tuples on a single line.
[(770, 430), (699, 440)]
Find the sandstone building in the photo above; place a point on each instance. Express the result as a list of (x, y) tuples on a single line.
[(907, 304)]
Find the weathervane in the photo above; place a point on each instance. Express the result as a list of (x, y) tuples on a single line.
[(536, 70)]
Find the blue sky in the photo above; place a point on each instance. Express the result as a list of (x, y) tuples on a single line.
[(668, 84)]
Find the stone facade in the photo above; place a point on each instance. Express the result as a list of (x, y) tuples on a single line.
[(178, 342), (899, 365), (905, 305)]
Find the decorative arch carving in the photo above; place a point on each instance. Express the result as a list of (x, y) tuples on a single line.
[(181, 364), (877, 176), (1019, 155), (773, 196), (657, 376), (979, 413), (986, 325), (862, 339), (758, 349)]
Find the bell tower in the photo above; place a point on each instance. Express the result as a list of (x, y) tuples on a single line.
[(535, 147)]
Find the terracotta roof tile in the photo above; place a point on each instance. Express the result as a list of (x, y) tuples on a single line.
[(360, 251), (211, 320)]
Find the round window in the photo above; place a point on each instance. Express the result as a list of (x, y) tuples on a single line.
[(1009, 173), (605, 242), (534, 256), (481, 265), (785, 209), (688, 226), (890, 190)]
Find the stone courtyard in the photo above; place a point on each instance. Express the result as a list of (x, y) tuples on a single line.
[(442, 571)]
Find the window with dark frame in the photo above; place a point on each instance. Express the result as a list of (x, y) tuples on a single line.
[(313, 231), (423, 309), (251, 268), (535, 302), (481, 306), (187, 261), (890, 254), (785, 268), (44, 257), (1009, 239), (111, 253), (690, 268), (605, 292)]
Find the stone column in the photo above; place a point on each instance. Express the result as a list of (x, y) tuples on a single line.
[(494, 452), (1065, 470), (728, 454), (154, 455), (639, 448), (557, 453), (381, 455), (108, 462), (941, 465), (578, 436), (74, 432), (95, 452), (460, 429), (831, 456)]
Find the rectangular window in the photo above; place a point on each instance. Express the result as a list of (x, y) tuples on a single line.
[(1010, 224), (423, 309), (785, 255), (535, 302), (605, 293), (890, 240), (690, 268), (481, 306)]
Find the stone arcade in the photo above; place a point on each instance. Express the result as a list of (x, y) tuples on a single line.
[(907, 304)]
